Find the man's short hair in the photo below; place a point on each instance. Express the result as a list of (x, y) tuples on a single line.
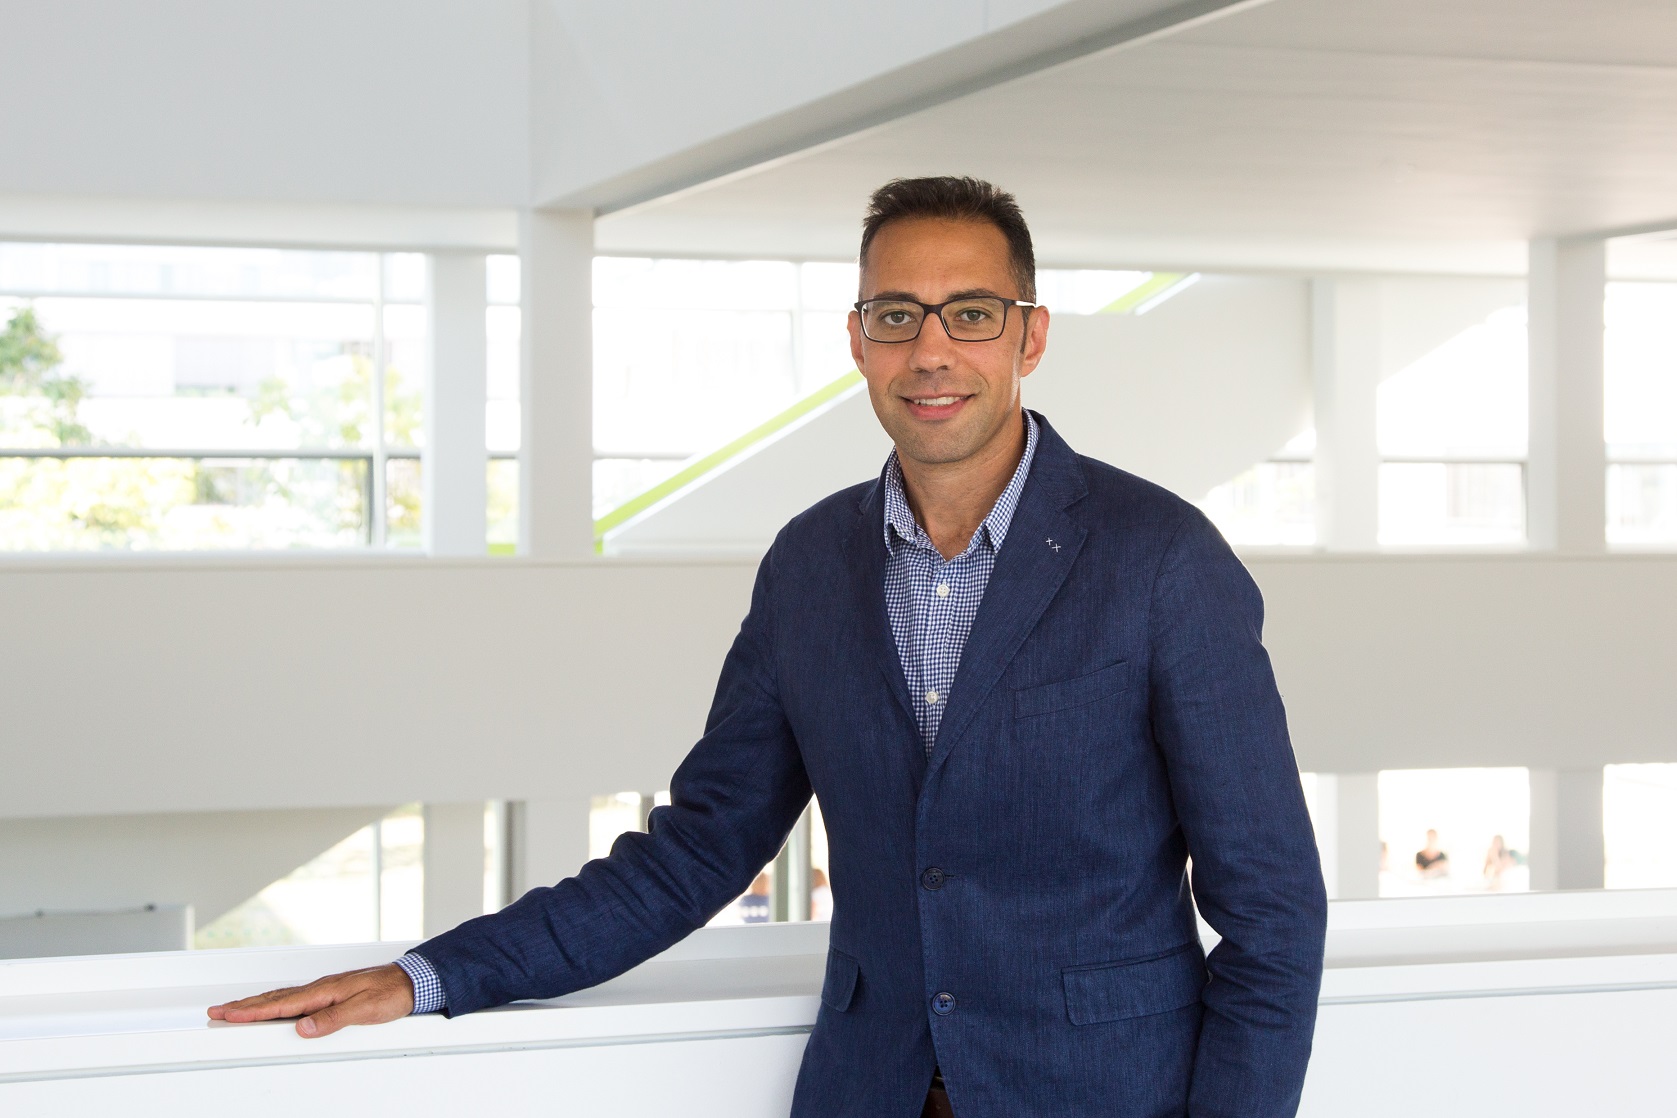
[(956, 199)]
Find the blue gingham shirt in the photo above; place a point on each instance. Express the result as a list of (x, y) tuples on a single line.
[(932, 602)]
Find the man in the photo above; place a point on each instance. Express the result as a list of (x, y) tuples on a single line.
[(1026, 687)]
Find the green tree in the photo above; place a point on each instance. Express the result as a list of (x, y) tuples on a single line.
[(29, 368)]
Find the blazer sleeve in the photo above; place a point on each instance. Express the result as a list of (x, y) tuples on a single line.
[(734, 799), (1257, 876)]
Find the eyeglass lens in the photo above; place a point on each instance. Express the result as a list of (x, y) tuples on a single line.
[(979, 319)]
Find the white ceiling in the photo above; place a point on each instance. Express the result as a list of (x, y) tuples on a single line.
[(1414, 134)]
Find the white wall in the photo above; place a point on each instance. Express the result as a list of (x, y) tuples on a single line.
[(333, 683), (379, 101)]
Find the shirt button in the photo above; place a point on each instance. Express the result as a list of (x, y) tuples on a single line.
[(932, 697), (932, 878), (943, 590), (943, 1004)]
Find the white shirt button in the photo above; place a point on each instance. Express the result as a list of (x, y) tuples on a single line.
[(943, 590), (932, 697)]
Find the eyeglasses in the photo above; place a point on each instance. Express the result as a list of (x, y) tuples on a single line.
[(975, 318)]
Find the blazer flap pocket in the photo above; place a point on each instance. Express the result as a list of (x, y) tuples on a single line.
[(840, 984), (1049, 697), (1136, 988)]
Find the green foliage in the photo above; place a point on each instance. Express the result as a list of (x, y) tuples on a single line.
[(29, 368)]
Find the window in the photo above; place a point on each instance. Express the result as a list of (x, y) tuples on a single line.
[(1641, 414), (1478, 819), (1639, 816), (1452, 434), (503, 433), (169, 398), (370, 886), (1274, 502)]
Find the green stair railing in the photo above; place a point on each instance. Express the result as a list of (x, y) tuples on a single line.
[(699, 467)]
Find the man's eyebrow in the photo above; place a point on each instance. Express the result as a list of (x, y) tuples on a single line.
[(909, 296)]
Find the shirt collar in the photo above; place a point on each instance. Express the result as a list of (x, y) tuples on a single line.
[(901, 527)]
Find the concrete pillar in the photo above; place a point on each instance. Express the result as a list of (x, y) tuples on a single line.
[(1345, 359), (548, 840), (1566, 474), (456, 457), (1348, 834), (556, 248), (1568, 848), (453, 864)]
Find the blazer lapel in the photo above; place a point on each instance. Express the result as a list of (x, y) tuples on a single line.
[(1032, 565), (865, 559)]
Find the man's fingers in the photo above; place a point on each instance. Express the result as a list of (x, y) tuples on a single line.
[(371, 1006), (291, 1001), (326, 1005)]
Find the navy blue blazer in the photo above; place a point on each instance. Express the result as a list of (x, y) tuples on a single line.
[(1016, 909)]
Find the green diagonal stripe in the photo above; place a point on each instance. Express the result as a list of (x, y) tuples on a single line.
[(699, 467), (1156, 284)]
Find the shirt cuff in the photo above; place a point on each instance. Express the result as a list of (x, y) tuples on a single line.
[(428, 994)]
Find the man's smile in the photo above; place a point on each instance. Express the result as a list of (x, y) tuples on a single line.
[(934, 407)]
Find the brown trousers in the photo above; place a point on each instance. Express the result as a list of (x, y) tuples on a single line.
[(937, 1100)]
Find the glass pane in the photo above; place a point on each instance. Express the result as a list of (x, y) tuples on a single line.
[(404, 494), (828, 287), (181, 504), (685, 380), (1452, 503), (1272, 503), (402, 874), (1639, 817), (404, 277), (189, 374), (1454, 831), (609, 817), (1641, 370), (240, 273), (1084, 290), (501, 276), (639, 283), (618, 480), (502, 325), (1642, 504), (404, 377), (330, 899), (503, 506), (1465, 398)]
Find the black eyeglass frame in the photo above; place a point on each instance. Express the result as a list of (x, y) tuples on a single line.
[(930, 309)]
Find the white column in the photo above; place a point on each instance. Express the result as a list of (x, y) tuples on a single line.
[(556, 248), (453, 864), (456, 457), (1566, 476), (1345, 358), (1568, 849), (1356, 833), (549, 839)]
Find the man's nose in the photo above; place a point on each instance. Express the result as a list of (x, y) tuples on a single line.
[(934, 349)]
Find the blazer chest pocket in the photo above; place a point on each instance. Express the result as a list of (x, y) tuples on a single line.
[(1119, 991), (1067, 693), (840, 984)]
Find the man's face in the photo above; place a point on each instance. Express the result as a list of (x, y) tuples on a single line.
[(942, 400)]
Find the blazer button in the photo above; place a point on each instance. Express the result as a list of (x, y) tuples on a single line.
[(932, 878), (943, 1004)]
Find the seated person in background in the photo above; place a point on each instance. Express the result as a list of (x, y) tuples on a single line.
[(754, 906), (1430, 860), (820, 896)]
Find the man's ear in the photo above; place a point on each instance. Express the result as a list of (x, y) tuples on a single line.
[(855, 325), (1035, 341)]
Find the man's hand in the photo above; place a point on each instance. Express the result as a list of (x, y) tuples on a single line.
[(358, 997)]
